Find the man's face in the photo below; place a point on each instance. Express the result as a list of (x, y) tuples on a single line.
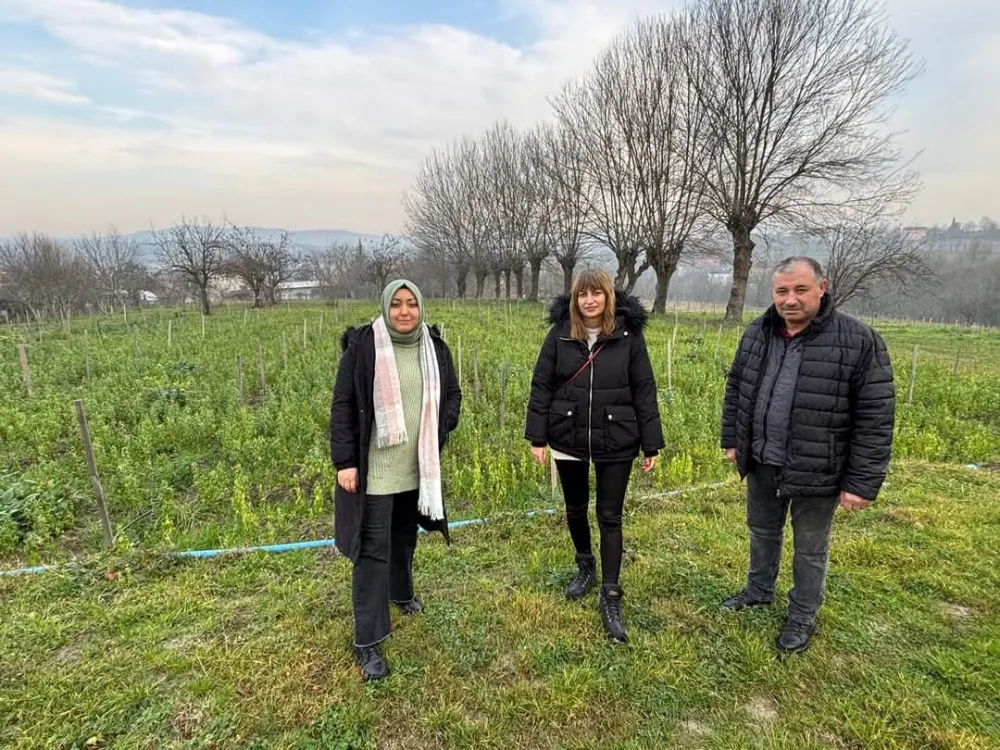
[(797, 294)]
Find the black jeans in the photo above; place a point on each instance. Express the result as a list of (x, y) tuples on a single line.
[(812, 519), (612, 482), (384, 570)]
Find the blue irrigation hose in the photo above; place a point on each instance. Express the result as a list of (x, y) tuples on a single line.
[(316, 543)]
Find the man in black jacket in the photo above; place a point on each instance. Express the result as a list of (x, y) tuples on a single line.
[(808, 420)]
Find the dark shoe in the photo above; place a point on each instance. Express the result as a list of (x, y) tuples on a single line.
[(743, 599), (794, 639), (611, 613), (586, 577), (412, 607), (373, 667)]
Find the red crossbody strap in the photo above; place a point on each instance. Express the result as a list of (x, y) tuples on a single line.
[(585, 364)]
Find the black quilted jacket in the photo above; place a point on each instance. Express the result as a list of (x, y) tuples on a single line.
[(843, 409), (609, 412)]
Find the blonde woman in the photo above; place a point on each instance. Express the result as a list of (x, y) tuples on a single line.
[(593, 401)]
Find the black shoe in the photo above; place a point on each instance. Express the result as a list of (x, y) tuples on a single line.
[(412, 607), (743, 599), (373, 667), (586, 577), (794, 639), (611, 613)]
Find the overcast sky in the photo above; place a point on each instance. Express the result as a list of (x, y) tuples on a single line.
[(315, 113)]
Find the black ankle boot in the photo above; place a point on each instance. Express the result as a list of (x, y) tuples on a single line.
[(611, 612), (373, 667), (586, 577), (412, 607)]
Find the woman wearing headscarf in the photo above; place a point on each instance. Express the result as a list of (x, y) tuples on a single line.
[(593, 401), (395, 401)]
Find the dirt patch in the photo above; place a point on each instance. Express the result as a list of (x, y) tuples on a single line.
[(763, 710), (695, 728), (186, 722), (956, 612)]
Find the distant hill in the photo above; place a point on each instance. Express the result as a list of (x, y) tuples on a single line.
[(306, 241)]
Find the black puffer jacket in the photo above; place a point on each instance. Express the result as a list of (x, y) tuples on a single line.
[(843, 409), (352, 418), (610, 411)]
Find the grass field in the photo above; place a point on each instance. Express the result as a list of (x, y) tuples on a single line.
[(134, 649)]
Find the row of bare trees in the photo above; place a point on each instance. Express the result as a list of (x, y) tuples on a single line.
[(690, 129)]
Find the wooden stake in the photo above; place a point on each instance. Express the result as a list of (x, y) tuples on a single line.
[(203, 325), (95, 478), (460, 360), (86, 353), (284, 351), (475, 372), (25, 370), (239, 380), (913, 376), (670, 365), (718, 339), (553, 474), (170, 333), (260, 367)]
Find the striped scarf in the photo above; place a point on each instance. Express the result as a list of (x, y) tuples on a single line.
[(390, 426)]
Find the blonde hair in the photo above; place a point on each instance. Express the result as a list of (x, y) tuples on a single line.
[(592, 280)]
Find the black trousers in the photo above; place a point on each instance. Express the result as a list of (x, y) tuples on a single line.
[(812, 520), (612, 483), (384, 569)]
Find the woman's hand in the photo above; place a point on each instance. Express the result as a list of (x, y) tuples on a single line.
[(539, 455), (648, 464), (348, 479)]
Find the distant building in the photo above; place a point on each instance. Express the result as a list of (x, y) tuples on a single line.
[(298, 290), (915, 234)]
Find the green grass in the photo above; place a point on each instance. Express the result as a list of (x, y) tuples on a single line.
[(254, 651)]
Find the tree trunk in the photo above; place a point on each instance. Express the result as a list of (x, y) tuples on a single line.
[(205, 307), (519, 275), (256, 297), (664, 264), (480, 283), (506, 283), (567, 267), (460, 280), (497, 278), (536, 271), (742, 260)]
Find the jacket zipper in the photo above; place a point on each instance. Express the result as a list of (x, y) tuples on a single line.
[(590, 416)]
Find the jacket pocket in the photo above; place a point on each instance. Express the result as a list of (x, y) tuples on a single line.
[(563, 416), (836, 463), (621, 430)]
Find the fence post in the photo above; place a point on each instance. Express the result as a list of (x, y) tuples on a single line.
[(25, 370), (260, 367), (239, 380), (95, 478), (913, 376)]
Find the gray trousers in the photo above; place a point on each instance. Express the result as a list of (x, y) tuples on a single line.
[(812, 519)]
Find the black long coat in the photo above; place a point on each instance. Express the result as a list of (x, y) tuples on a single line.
[(352, 419), (609, 412), (843, 409)]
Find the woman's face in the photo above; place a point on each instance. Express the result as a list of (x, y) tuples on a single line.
[(591, 303), (404, 311)]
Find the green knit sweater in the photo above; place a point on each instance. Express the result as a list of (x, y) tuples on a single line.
[(396, 468)]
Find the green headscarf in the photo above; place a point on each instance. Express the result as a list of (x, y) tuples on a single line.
[(387, 294)]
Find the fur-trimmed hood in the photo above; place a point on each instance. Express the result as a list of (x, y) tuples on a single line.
[(353, 332), (629, 311)]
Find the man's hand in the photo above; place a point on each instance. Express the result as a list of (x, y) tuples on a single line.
[(539, 455), (648, 463), (348, 479), (851, 502), (731, 455)]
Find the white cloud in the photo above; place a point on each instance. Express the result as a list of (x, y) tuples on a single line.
[(319, 132), (30, 84)]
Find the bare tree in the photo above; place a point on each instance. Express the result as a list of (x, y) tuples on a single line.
[(111, 258), (384, 260), (196, 251), (442, 212), (247, 261), (44, 276), (865, 258), (562, 175), (338, 270), (795, 96)]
